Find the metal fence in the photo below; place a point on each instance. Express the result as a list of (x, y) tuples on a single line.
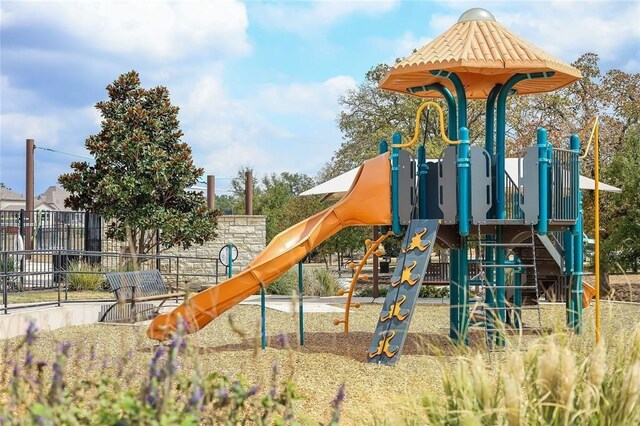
[(512, 199), (66, 270), (564, 185), (50, 230)]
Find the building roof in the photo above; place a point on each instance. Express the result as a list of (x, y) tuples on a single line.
[(482, 53), (52, 199)]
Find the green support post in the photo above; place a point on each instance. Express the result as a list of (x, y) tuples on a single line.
[(300, 303)]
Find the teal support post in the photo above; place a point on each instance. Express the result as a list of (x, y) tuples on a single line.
[(422, 182), (300, 303), (517, 294), (464, 196), (464, 183), (567, 244), (230, 260), (489, 126), (543, 180), (459, 261), (500, 290), (463, 294), (460, 94), (578, 248), (263, 317), (383, 148), (454, 290), (501, 121), (395, 200)]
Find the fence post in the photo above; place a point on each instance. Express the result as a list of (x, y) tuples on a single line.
[(5, 283), (300, 303), (60, 281)]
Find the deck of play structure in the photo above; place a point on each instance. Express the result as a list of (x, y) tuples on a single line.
[(526, 222)]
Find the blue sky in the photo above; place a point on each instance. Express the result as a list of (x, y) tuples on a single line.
[(257, 82)]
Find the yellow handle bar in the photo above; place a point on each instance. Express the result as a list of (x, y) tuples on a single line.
[(594, 122), (416, 133)]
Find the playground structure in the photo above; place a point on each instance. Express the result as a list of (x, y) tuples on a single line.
[(527, 220)]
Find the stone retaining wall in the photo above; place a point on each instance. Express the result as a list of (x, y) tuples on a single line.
[(248, 233)]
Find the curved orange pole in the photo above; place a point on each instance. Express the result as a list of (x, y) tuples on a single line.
[(374, 245)]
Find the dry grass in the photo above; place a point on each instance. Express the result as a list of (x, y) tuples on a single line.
[(37, 296), (328, 358)]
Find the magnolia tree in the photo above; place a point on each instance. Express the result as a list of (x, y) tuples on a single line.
[(141, 173)]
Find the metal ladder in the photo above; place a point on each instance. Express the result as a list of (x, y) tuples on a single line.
[(491, 312)]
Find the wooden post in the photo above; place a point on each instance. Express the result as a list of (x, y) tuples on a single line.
[(248, 193), (30, 196), (211, 192)]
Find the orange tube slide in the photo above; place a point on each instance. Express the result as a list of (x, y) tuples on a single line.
[(368, 202)]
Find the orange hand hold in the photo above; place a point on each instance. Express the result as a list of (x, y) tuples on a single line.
[(383, 346), (406, 276), (395, 311), (416, 242)]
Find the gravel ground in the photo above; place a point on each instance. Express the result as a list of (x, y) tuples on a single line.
[(328, 358)]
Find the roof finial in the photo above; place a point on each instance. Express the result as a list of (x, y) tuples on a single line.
[(476, 14)]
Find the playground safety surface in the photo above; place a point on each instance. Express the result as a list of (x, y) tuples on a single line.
[(328, 359)]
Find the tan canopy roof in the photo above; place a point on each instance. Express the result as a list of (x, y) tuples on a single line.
[(482, 53)]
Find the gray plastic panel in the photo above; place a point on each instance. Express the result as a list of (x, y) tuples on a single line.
[(447, 188), (480, 184), (528, 184), (433, 210), (407, 186)]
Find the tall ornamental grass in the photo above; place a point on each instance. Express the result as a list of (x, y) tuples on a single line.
[(550, 383)]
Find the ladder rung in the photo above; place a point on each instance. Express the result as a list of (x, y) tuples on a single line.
[(525, 307), (506, 245), (522, 287), (484, 265)]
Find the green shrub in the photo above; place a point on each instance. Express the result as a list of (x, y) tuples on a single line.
[(434, 292), (83, 276), (316, 282), (368, 291), (285, 285), (320, 282)]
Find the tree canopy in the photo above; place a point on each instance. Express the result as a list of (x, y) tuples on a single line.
[(141, 172)]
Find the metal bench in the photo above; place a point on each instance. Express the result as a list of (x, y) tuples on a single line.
[(131, 290)]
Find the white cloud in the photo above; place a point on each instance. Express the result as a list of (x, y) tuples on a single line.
[(305, 18), (311, 99), (154, 29), (227, 133)]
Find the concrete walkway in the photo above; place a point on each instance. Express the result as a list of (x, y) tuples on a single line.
[(69, 314)]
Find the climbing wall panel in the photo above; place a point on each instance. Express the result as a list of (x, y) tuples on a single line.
[(403, 292)]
